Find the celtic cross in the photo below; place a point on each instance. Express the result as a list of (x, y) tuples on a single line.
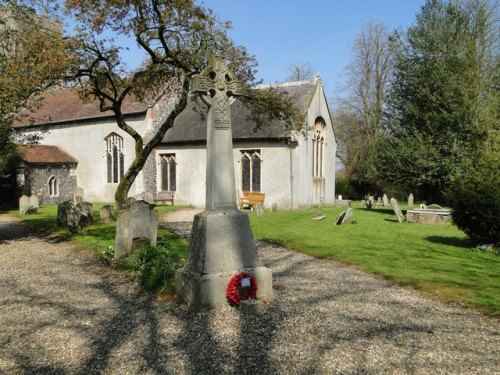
[(221, 84)]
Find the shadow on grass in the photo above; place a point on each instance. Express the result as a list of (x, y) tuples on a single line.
[(451, 241)]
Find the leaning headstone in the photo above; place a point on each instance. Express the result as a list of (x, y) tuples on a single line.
[(222, 243), (397, 210), (107, 214), (33, 201), (62, 213), (410, 201), (340, 218), (149, 197), (348, 216), (24, 204), (138, 219), (385, 200), (75, 218), (78, 195), (372, 200), (274, 207)]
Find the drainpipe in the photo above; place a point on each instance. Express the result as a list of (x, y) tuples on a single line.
[(291, 178)]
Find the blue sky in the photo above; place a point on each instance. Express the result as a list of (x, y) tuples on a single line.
[(321, 32)]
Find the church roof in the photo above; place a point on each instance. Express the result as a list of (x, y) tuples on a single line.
[(64, 105), (42, 154), (190, 125)]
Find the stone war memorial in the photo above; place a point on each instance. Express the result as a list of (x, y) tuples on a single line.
[(222, 254)]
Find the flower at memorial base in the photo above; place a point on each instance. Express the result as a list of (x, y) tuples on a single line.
[(242, 286)]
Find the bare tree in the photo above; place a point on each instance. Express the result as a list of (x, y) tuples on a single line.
[(359, 110), (300, 72)]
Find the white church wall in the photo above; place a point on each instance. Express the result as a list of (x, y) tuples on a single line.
[(84, 140)]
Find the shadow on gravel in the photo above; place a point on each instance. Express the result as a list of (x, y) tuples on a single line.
[(11, 231)]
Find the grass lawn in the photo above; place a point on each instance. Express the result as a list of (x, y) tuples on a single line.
[(435, 258)]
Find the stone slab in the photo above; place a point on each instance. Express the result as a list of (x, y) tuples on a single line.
[(425, 216)]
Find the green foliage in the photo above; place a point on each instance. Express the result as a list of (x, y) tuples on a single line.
[(444, 96), (436, 258), (156, 265), (474, 196)]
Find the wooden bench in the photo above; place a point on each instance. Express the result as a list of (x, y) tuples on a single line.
[(251, 199), (165, 196)]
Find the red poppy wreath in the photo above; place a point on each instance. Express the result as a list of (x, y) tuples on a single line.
[(242, 286)]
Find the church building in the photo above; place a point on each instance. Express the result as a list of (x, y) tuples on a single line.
[(81, 146)]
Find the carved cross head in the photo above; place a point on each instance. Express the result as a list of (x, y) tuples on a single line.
[(221, 84)]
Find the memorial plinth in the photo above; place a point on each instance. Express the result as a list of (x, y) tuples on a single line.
[(221, 243)]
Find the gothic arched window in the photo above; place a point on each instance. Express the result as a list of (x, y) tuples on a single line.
[(53, 186), (114, 158), (168, 172), (319, 144), (250, 170)]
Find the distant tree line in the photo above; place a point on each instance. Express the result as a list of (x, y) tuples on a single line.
[(420, 110)]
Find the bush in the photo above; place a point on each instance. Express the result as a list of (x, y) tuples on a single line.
[(156, 265), (474, 197)]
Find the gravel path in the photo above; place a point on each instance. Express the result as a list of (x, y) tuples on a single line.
[(62, 312)]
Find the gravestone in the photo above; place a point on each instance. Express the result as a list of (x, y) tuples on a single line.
[(339, 219), (107, 214), (397, 210), (33, 201), (340, 197), (385, 200), (372, 200), (368, 203), (221, 243), (260, 209), (149, 197), (274, 207), (24, 204), (136, 220), (348, 216), (74, 218), (379, 202), (78, 195), (410, 201), (423, 206)]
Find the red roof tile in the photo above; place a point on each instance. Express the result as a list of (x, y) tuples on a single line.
[(42, 154), (64, 104)]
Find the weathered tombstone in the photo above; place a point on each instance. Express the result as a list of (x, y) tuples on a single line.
[(149, 197), (348, 216), (33, 201), (88, 209), (260, 209), (379, 202), (372, 200), (75, 218), (78, 195), (368, 204), (410, 201), (222, 243), (24, 204), (386, 201), (107, 214), (138, 219), (340, 197), (423, 206), (274, 207), (62, 213), (397, 210), (339, 219)]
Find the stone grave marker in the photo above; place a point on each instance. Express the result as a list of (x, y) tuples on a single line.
[(33, 201), (75, 218), (107, 214), (274, 207), (88, 208), (24, 204), (137, 220), (397, 210), (423, 206), (149, 197), (372, 200), (78, 195), (339, 219), (259, 209), (222, 243), (385, 200), (349, 215), (410, 201), (379, 202)]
